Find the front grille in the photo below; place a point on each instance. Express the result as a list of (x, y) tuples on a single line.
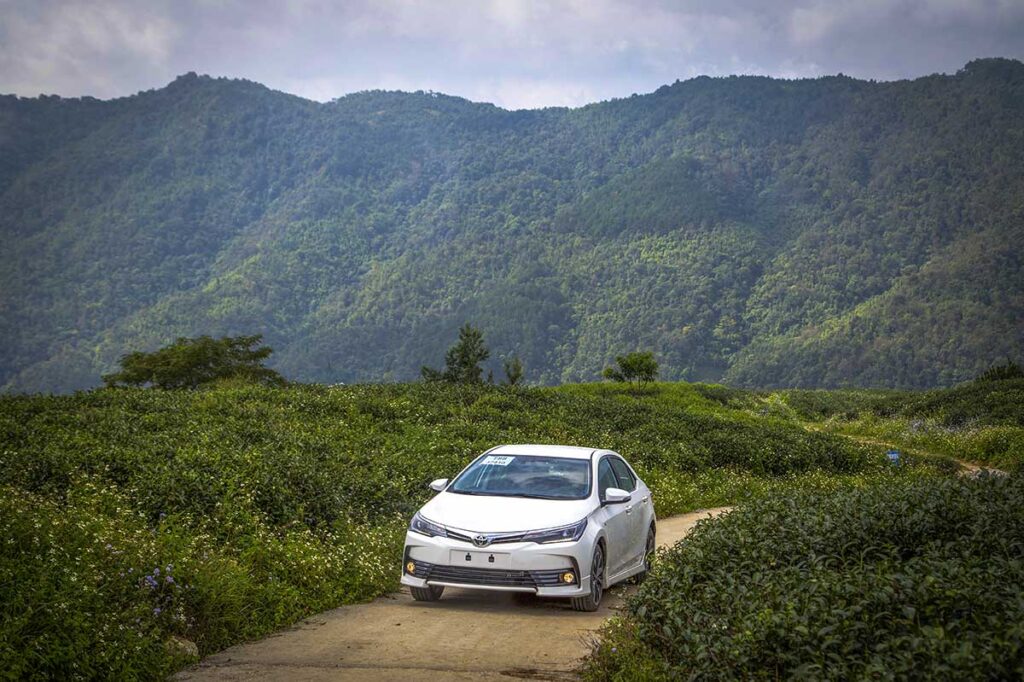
[(495, 538), (496, 577)]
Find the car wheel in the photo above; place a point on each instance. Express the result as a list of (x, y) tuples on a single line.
[(593, 600), (428, 593), (640, 577)]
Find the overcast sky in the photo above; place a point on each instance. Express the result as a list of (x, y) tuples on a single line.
[(515, 53)]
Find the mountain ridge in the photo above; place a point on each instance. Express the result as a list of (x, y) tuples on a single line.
[(729, 224)]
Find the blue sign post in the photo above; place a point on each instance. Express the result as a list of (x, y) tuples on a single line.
[(894, 456)]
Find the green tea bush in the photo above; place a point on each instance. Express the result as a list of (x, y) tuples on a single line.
[(91, 588), (919, 579), (818, 405), (997, 402)]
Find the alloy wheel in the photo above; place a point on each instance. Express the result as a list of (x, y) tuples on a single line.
[(649, 550), (597, 575)]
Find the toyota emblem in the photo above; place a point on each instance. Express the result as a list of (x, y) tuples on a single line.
[(481, 540)]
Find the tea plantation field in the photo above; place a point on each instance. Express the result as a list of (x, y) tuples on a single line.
[(915, 580), (132, 520), (981, 421)]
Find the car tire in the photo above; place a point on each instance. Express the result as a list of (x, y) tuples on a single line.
[(597, 577), (649, 549), (428, 593)]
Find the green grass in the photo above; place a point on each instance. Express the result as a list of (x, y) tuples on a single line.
[(905, 579), (264, 505)]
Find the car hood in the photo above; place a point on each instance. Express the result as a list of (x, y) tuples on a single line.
[(484, 514)]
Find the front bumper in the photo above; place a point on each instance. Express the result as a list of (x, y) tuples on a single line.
[(531, 567)]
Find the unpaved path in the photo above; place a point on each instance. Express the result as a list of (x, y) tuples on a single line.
[(468, 635)]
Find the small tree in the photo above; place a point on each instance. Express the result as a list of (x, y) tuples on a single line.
[(513, 371), (462, 361), (190, 363), (640, 367)]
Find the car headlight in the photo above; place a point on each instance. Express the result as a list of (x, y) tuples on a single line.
[(569, 533), (426, 527)]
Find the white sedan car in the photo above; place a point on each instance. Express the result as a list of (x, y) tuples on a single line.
[(553, 520)]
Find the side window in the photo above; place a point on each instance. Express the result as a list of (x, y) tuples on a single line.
[(625, 476), (605, 477)]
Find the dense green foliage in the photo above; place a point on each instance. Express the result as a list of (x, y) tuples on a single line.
[(1007, 370), (513, 371), (997, 402), (190, 363), (462, 361), (638, 366), (131, 515), (918, 581), (802, 233), (987, 402)]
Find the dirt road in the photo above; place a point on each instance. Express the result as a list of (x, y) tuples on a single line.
[(466, 636)]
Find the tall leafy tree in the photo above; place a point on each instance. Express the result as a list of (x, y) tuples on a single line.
[(190, 363), (640, 367), (462, 361)]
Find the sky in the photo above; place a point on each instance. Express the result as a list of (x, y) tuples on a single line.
[(514, 53)]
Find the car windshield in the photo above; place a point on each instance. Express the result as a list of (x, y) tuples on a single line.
[(547, 478)]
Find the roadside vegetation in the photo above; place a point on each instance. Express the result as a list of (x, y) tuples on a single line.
[(131, 517), (904, 580)]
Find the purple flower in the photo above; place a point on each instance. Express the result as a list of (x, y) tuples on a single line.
[(170, 580), (156, 611), (156, 571)]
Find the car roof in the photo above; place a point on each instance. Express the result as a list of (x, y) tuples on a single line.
[(527, 449)]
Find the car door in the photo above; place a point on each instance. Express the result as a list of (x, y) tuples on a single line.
[(636, 522), (615, 519)]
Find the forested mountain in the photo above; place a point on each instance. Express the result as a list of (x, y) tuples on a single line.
[(822, 232)]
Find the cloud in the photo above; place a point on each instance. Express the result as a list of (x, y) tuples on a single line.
[(79, 47), (516, 53)]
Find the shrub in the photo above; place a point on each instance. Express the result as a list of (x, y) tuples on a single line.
[(817, 405), (190, 363), (995, 402), (920, 579), (1007, 370)]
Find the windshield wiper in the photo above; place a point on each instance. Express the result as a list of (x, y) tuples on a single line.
[(497, 494), (544, 497)]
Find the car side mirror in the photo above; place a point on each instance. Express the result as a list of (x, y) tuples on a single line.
[(616, 496), (439, 485)]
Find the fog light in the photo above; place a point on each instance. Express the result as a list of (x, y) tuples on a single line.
[(568, 578), (410, 567)]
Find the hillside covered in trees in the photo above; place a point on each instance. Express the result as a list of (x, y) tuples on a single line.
[(826, 232)]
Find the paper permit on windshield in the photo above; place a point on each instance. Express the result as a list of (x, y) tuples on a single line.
[(498, 461)]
